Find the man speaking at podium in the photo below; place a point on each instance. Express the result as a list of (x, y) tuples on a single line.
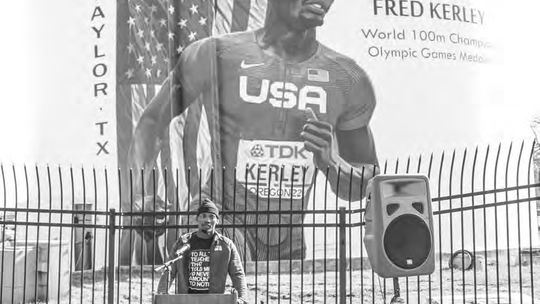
[(207, 258)]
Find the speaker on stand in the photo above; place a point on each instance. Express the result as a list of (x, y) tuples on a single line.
[(399, 227)]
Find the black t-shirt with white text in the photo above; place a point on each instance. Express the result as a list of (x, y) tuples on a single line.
[(199, 264)]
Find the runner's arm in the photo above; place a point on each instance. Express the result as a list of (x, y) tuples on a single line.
[(357, 163), (347, 168), (191, 76), (346, 152), (149, 133)]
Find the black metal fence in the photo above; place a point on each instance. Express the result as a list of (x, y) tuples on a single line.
[(75, 235)]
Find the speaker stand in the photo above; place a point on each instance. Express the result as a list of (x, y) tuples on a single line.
[(396, 299)]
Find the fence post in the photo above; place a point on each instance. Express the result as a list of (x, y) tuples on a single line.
[(112, 230), (342, 256)]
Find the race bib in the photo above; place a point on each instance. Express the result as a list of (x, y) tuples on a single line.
[(275, 169)]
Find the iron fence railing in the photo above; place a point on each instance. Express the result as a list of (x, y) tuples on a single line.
[(87, 235)]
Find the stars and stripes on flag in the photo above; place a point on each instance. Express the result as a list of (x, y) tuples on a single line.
[(151, 36), (158, 31)]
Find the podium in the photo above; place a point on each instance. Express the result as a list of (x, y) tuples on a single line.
[(195, 298)]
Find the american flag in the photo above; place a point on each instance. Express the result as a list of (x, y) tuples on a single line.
[(151, 36)]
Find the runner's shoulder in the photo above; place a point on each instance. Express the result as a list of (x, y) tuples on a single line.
[(232, 43), (345, 64), (236, 39)]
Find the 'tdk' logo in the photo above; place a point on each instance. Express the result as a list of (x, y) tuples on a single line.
[(282, 151), (257, 151)]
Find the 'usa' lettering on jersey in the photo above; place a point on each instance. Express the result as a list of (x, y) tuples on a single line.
[(285, 95), (262, 101)]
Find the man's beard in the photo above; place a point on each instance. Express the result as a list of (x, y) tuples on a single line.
[(209, 231)]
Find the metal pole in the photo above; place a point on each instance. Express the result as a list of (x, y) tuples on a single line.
[(396, 288), (342, 257), (112, 217), (396, 299)]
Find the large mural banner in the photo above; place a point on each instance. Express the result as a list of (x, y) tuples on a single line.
[(278, 106)]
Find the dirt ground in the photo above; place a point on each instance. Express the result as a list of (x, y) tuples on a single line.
[(444, 286)]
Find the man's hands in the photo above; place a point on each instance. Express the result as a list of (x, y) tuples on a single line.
[(238, 300), (152, 223), (318, 137)]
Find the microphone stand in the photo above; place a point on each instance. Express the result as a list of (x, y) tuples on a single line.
[(396, 299), (168, 264)]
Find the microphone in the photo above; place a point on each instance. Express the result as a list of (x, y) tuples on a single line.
[(179, 254), (182, 250)]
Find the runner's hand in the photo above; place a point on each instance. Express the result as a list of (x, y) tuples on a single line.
[(152, 223), (318, 137)]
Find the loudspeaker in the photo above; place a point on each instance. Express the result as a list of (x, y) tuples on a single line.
[(399, 226)]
